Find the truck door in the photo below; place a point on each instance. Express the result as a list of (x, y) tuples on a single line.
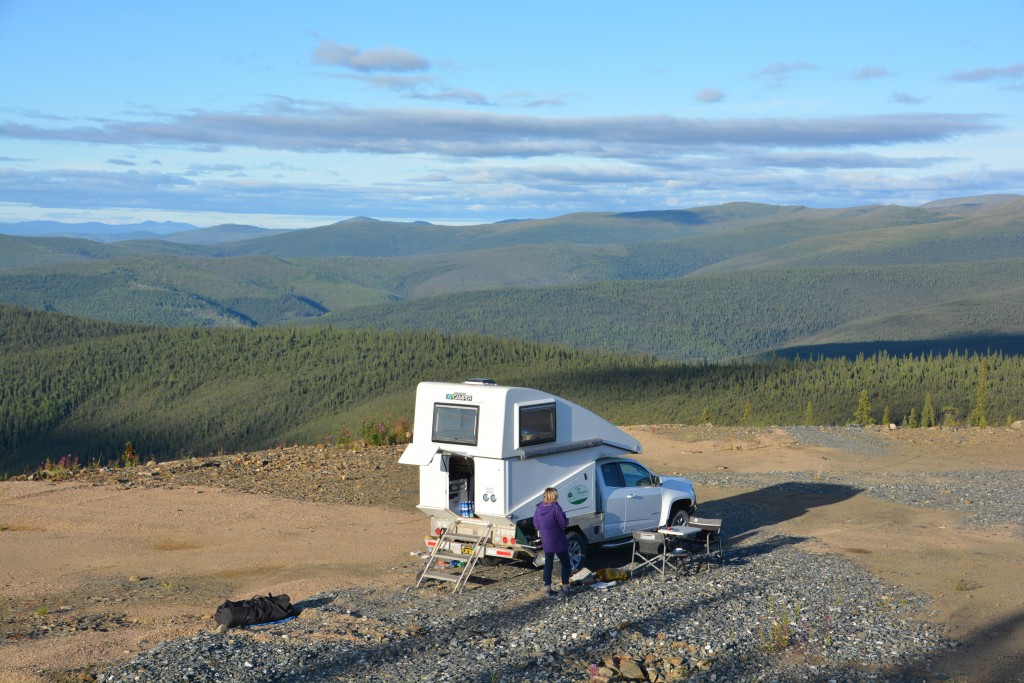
[(631, 502), (614, 500)]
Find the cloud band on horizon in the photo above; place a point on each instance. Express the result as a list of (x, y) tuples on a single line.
[(463, 134)]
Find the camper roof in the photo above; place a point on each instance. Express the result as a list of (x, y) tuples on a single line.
[(482, 419)]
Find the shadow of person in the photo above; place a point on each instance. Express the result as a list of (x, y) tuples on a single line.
[(313, 603), (992, 652)]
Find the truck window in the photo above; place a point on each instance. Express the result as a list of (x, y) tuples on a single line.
[(455, 424), (635, 475), (612, 475), (536, 424)]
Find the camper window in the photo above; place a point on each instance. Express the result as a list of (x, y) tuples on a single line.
[(536, 424), (455, 424)]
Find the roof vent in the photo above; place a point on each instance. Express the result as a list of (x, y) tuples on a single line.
[(481, 380)]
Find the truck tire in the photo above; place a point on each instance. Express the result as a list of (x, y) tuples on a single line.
[(680, 517), (577, 545)]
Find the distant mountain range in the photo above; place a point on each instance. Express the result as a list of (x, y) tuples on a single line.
[(710, 282), (182, 233)]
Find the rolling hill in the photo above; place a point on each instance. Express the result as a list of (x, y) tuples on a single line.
[(709, 282), (725, 315)]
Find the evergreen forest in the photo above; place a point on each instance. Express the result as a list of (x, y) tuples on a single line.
[(83, 389)]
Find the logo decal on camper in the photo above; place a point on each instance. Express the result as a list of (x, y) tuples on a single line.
[(458, 397), (578, 495)]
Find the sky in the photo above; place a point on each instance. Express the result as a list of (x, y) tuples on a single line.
[(305, 113)]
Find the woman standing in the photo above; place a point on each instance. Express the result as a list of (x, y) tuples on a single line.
[(549, 519)]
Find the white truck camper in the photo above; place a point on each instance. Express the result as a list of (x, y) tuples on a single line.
[(487, 452)]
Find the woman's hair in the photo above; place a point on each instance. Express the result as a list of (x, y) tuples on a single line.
[(550, 494)]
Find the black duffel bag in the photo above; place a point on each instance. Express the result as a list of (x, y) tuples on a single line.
[(256, 610)]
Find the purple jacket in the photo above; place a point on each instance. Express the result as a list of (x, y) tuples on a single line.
[(550, 521)]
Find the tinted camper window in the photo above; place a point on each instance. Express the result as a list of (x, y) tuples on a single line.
[(455, 424), (536, 424)]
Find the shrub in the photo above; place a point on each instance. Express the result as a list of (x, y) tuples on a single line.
[(384, 432), (129, 458), (64, 468)]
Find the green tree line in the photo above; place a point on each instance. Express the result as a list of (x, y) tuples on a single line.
[(82, 388)]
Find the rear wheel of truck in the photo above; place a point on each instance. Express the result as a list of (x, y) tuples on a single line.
[(577, 550)]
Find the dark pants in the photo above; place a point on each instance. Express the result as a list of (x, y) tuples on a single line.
[(549, 559)]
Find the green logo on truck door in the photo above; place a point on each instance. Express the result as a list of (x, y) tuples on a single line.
[(577, 495)]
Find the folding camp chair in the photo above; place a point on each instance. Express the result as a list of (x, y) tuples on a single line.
[(652, 548)]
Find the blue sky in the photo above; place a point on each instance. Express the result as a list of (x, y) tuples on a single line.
[(298, 114)]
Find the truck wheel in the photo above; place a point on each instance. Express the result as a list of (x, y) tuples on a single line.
[(679, 518), (577, 550)]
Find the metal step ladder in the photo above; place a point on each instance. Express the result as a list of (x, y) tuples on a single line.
[(440, 554)]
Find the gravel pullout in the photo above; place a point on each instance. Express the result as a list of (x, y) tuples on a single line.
[(771, 613), (990, 497)]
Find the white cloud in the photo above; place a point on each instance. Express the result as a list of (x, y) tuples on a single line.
[(868, 73), (303, 127), (988, 73), (709, 95), (780, 73), (512, 191), (901, 97), (453, 95), (384, 58)]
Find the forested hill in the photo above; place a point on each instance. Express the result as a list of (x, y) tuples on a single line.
[(709, 282), (82, 389), (726, 315)]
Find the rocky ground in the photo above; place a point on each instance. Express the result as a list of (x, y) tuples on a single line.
[(321, 474), (830, 572)]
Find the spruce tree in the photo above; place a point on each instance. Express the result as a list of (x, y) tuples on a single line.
[(928, 412), (809, 415), (977, 418), (949, 416), (912, 420), (863, 414)]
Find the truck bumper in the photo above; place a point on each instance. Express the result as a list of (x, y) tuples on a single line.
[(501, 541)]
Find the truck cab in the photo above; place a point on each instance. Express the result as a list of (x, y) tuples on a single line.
[(487, 452)]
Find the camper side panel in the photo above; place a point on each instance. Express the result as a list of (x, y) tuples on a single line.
[(571, 473), (490, 487)]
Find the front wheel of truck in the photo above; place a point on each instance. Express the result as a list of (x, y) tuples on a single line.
[(680, 517), (577, 545)]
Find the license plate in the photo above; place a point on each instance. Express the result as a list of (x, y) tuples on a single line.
[(467, 550)]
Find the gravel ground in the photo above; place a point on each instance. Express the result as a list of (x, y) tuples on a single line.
[(989, 497), (770, 612), (848, 439), (819, 618)]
